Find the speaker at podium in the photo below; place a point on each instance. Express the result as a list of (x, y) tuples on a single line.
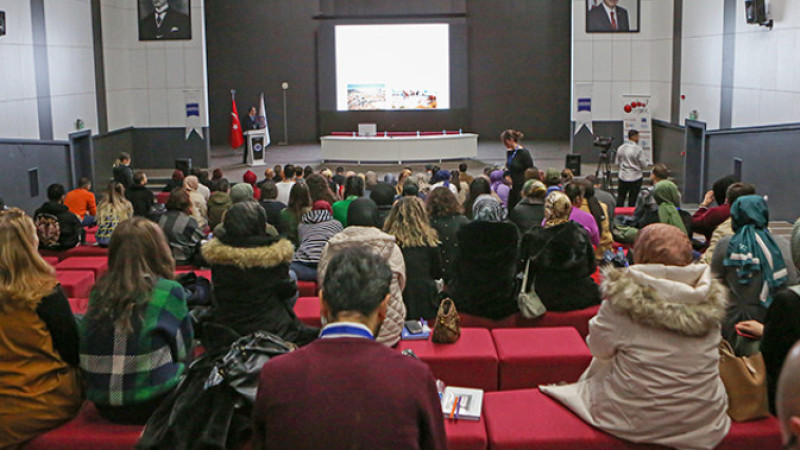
[(256, 147)]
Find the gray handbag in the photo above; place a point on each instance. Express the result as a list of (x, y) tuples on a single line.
[(528, 301)]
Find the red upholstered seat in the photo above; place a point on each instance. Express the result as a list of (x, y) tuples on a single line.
[(88, 431), (96, 264), (76, 283), (79, 305), (578, 319), (466, 434), (469, 321), (470, 362), (624, 211), (52, 260), (528, 419), (307, 288), (85, 250), (91, 237), (60, 255), (529, 357), (307, 310), (162, 197)]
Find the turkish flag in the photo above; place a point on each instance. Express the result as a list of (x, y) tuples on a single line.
[(237, 139)]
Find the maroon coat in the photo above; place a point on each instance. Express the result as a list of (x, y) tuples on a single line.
[(706, 220), (347, 393)]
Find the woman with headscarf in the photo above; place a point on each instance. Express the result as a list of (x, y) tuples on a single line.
[(251, 286), (500, 186), (363, 231), (199, 205), (752, 263), (485, 268), (562, 259), (479, 187), (251, 178), (655, 377), (443, 178), (529, 212), (668, 199)]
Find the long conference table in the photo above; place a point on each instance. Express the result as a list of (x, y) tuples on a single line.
[(399, 147)]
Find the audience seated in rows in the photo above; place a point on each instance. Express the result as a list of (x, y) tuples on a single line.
[(363, 231), (645, 202), (82, 202), (463, 176), (383, 196), (443, 178), (203, 182), (269, 196), (40, 387), (299, 204), (319, 189), (219, 202), (112, 210), (529, 212), (250, 178), (480, 186), (501, 182), (140, 197), (752, 264), (136, 338), (241, 192), (316, 228), (56, 226), (485, 283), (562, 259), (409, 224), (181, 229), (344, 390), (654, 377), (286, 183), (251, 287), (603, 196), (552, 179), (707, 219), (462, 187), (175, 181), (446, 217)]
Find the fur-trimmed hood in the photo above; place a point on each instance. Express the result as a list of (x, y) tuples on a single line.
[(280, 252), (687, 300)]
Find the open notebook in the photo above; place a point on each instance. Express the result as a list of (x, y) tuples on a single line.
[(468, 406)]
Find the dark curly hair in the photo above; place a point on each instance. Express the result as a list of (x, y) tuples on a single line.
[(442, 202)]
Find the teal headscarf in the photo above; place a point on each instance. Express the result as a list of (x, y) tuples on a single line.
[(668, 197), (752, 249)]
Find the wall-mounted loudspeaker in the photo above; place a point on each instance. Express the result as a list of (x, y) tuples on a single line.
[(756, 13)]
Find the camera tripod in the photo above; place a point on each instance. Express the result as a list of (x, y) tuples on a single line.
[(604, 167)]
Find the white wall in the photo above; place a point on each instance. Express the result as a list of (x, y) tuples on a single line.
[(701, 63), (70, 55), (18, 110), (145, 80), (766, 88), (766, 68), (625, 63)]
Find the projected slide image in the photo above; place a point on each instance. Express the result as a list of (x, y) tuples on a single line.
[(392, 67)]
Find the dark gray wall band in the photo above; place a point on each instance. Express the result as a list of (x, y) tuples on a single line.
[(728, 64), (42, 70), (677, 54), (51, 159), (99, 68)]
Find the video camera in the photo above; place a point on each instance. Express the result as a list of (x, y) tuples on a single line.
[(604, 143)]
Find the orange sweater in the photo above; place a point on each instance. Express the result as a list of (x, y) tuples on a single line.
[(80, 201)]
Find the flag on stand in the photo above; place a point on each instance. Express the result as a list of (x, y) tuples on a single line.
[(262, 121), (237, 139)]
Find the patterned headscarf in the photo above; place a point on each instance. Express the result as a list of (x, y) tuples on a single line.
[(557, 209), (660, 243), (488, 209), (752, 249), (534, 188)]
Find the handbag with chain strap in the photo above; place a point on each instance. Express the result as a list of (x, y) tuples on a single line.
[(447, 329)]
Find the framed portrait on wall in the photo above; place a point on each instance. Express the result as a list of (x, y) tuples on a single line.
[(161, 20), (612, 16)]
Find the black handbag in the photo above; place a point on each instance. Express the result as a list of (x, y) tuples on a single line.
[(212, 407), (198, 287)]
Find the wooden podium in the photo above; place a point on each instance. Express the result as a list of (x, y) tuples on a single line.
[(256, 146)]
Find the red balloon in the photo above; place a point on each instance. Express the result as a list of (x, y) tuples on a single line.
[(628, 108)]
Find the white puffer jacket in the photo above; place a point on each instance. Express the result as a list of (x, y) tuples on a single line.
[(655, 373), (384, 245)]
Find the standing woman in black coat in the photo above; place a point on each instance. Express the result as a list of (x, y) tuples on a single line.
[(518, 160)]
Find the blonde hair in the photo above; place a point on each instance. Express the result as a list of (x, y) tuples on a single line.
[(114, 203), (408, 223), (24, 276), (404, 174)]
